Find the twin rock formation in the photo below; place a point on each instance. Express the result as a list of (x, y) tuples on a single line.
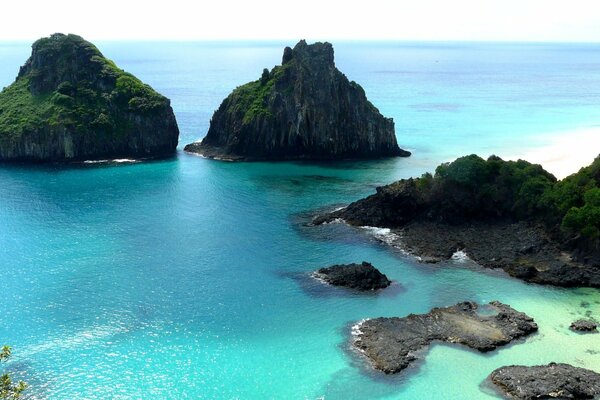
[(71, 103)]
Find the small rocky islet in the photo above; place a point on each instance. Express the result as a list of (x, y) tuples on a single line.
[(504, 214), (552, 381), (70, 103), (362, 277), (584, 325), (303, 109), (390, 344)]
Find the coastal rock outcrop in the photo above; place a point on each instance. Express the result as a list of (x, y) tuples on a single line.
[(390, 343), (502, 214), (71, 103), (303, 109), (363, 276), (552, 381), (584, 325)]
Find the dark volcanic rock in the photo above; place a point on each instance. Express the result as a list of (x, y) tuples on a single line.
[(71, 103), (391, 343), (584, 325), (478, 206), (356, 276), (552, 381), (304, 109)]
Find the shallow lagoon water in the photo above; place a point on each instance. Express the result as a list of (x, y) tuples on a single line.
[(189, 278)]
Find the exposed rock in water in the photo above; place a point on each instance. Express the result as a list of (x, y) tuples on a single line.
[(391, 343), (552, 381), (303, 109), (71, 103), (584, 325), (502, 214), (356, 276)]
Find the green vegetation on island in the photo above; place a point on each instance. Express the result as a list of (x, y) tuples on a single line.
[(69, 101), (473, 187)]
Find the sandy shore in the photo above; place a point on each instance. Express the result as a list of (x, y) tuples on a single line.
[(564, 153)]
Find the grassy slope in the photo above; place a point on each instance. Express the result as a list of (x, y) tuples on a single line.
[(82, 105)]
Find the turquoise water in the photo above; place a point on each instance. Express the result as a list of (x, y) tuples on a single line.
[(189, 278)]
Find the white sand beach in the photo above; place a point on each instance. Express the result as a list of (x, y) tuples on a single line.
[(565, 153)]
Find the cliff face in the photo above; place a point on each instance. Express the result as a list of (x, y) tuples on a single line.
[(71, 103), (304, 109)]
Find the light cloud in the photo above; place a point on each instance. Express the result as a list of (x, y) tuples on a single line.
[(518, 20)]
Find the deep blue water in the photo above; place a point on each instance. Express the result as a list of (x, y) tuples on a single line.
[(189, 278)]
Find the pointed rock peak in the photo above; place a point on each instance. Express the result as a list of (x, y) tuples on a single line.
[(288, 54), (320, 52)]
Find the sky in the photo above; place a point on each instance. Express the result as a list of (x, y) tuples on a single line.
[(485, 20)]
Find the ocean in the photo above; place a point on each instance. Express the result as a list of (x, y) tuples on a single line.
[(190, 278)]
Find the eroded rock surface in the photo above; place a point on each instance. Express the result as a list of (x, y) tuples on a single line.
[(391, 343), (552, 381)]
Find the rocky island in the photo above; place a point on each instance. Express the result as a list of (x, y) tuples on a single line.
[(71, 103), (552, 381), (303, 109), (363, 276), (390, 343), (503, 214)]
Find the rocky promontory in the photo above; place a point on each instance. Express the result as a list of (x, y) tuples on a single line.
[(363, 276), (303, 109), (552, 381), (503, 214), (69, 102), (391, 343)]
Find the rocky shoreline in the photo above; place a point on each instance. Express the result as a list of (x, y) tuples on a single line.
[(552, 381), (390, 344), (432, 217), (522, 250)]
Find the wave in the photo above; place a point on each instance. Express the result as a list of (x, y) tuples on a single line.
[(384, 235), (115, 161), (355, 329), (460, 256), (335, 221)]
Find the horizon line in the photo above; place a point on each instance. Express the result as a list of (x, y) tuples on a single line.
[(339, 40)]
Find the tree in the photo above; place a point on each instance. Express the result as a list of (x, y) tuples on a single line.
[(8, 389)]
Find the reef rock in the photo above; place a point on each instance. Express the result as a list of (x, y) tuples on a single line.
[(584, 325), (303, 109), (391, 343), (552, 381), (71, 103), (362, 276)]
